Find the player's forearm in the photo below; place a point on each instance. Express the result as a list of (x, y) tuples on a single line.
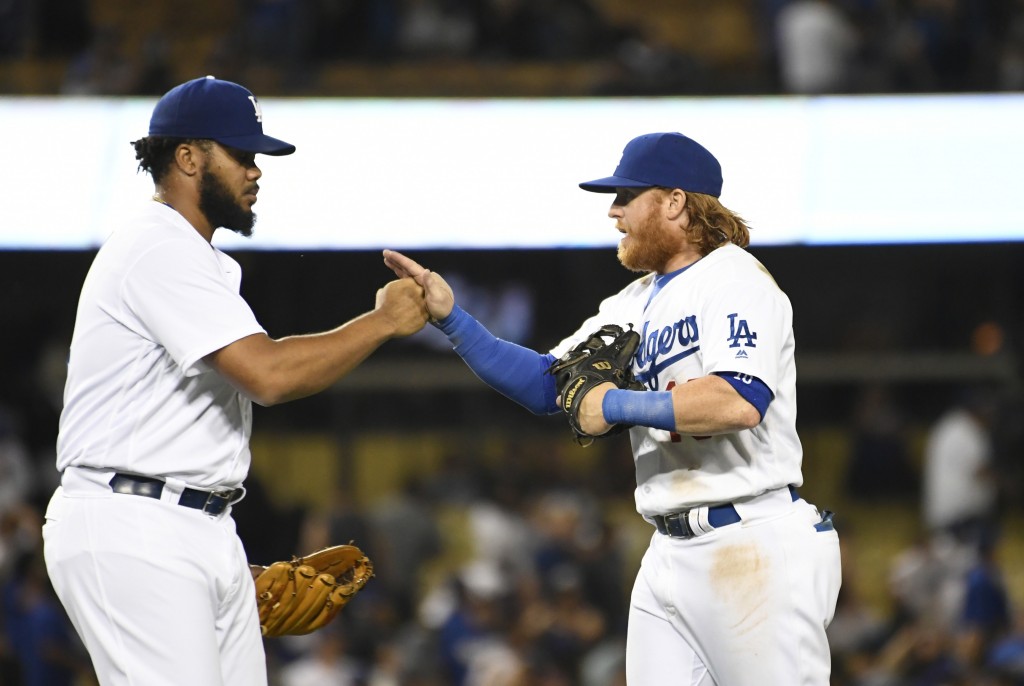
[(702, 407), (272, 371), (312, 363), (709, 406)]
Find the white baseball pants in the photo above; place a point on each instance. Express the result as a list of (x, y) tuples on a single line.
[(160, 594), (744, 605)]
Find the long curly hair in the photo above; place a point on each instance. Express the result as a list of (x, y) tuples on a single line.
[(713, 224), (155, 153)]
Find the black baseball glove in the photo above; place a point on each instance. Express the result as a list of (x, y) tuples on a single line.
[(606, 355)]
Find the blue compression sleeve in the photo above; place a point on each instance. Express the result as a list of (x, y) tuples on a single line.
[(512, 370), (755, 391), (640, 408)]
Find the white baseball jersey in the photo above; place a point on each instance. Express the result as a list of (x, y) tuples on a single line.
[(139, 397), (745, 604), (724, 313)]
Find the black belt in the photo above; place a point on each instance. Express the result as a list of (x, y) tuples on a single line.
[(210, 502), (677, 524)]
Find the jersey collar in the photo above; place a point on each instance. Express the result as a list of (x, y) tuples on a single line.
[(661, 280)]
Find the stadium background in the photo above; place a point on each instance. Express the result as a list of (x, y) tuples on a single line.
[(888, 336)]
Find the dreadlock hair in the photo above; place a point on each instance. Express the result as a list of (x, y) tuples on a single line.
[(712, 224), (155, 153)]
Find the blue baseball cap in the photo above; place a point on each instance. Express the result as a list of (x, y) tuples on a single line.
[(222, 111), (670, 160)]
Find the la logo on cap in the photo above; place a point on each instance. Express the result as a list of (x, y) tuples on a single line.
[(212, 109), (256, 106)]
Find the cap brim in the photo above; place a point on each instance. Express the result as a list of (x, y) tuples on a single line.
[(609, 183), (260, 143)]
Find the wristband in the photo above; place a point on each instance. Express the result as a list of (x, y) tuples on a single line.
[(640, 408)]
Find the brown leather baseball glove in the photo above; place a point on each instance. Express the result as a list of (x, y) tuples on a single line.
[(304, 594)]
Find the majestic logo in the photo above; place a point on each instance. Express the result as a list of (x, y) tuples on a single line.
[(740, 330), (256, 106), (741, 354)]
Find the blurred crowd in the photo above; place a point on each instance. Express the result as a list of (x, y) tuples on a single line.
[(950, 619), (486, 573), (515, 570), (896, 46), (538, 597), (539, 593), (780, 46)]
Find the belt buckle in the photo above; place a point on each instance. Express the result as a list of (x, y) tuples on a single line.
[(220, 499), (677, 524)]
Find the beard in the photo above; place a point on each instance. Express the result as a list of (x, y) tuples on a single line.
[(648, 246), (221, 208)]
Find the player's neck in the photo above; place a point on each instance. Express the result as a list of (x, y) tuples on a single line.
[(189, 210), (679, 261)]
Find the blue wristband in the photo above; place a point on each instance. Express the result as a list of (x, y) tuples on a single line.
[(640, 408)]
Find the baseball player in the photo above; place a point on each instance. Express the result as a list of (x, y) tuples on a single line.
[(166, 359), (741, 576)]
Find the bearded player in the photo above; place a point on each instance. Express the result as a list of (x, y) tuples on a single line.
[(741, 576), (166, 360)]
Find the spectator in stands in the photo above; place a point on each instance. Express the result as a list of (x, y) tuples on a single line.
[(1010, 69), (560, 621), (354, 29), (960, 494), (102, 68), (880, 466), (986, 617), (326, 663), (642, 64), (472, 639), (46, 647), (436, 28), (17, 480), (541, 29), (1006, 659), (817, 45), (276, 34), (857, 628), (154, 74), (406, 537)]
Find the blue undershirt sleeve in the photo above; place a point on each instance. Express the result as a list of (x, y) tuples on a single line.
[(512, 370), (753, 390)]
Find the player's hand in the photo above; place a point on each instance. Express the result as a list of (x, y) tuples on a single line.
[(439, 295), (402, 303), (591, 416)]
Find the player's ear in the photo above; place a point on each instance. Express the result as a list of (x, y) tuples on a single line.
[(675, 203), (187, 158)]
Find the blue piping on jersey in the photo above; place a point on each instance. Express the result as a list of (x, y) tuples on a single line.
[(661, 280)]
